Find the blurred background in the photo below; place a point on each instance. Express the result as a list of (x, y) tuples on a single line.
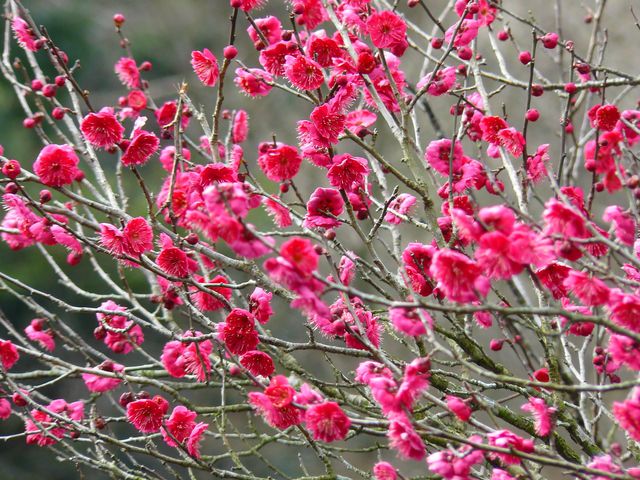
[(165, 32)]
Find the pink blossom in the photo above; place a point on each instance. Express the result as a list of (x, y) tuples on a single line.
[(56, 165), (303, 72), (96, 382), (127, 72), (323, 208), (628, 414), (179, 426), (254, 82), (509, 440), (37, 332), (404, 439), (456, 465), (384, 471), (590, 290), (205, 65), (542, 414), (327, 422), (348, 172), (181, 358), (459, 408), (459, 278), (624, 225), (409, 321), (147, 414)]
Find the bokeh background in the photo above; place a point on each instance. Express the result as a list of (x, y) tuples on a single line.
[(164, 32)]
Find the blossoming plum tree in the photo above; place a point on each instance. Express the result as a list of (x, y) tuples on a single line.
[(432, 294)]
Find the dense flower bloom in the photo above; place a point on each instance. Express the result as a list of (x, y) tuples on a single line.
[(147, 414), (205, 65), (56, 165), (127, 72), (327, 422), (279, 162), (96, 382), (323, 208), (8, 354)]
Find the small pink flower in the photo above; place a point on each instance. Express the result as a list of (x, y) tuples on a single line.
[(623, 222), (279, 162), (260, 305), (590, 290), (254, 82), (142, 146), (37, 332), (240, 128), (99, 383), (384, 471), (179, 426), (323, 208), (248, 5), (102, 129), (348, 172), (147, 414), (542, 414), (258, 363), (303, 72), (205, 65), (274, 404), (128, 72), (509, 440), (459, 278), (174, 262), (188, 357), (5, 408), (56, 165), (24, 34), (8, 354), (238, 332), (628, 414), (456, 464), (327, 422), (195, 437), (459, 408), (604, 117), (404, 439), (387, 29), (408, 321), (402, 204)]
